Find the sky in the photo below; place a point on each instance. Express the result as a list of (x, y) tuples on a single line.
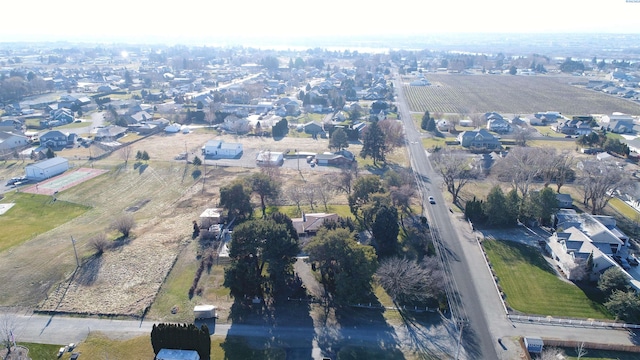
[(185, 20)]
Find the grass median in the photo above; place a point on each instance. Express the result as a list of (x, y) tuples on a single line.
[(532, 286)]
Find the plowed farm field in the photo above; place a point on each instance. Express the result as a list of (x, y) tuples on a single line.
[(457, 93)]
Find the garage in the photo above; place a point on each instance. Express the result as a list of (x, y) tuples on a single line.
[(46, 169)]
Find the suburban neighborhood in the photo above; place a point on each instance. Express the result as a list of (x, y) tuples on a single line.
[(219, 195)]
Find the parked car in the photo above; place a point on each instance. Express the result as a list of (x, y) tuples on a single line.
[(633, 261)]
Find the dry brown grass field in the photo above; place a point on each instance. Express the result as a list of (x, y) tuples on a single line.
[(164, 197), (456, 93)]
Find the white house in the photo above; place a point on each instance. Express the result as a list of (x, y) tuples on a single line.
[(220, 149), (46, 168), (269, 158), (10, 141)]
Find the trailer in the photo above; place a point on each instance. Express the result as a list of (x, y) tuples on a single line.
[(204, 311)]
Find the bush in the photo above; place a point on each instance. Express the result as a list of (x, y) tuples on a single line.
[(99, 243), (124, 224)]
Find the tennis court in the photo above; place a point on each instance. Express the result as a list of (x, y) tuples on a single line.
[(63, 181)]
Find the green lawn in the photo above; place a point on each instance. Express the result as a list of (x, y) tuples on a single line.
[(624, 209), (32, 215), (74, 125), (532, 287), (600, 355), (44, 351)]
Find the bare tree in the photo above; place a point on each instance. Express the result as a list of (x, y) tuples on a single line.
[(407, 280), (454, 120), (325, 193), (310, 194), (347, 175), (125, 153), (455, 169), (581, 351), (394, 133), (522, 135), (8, 324), (520, 167), (99, 243), (124, 224), (477, 120), (564, 169), (294, 193), (601, 180)]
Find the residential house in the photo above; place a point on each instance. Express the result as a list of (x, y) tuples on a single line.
[(110, 133), (221, 149), (580, 236), (138, 117), (309, 224), (313, 127), (479, 140), (499, 125), (62, 115), (335, 158), (10, 141), (56, 140), (564, 201), (617, 123), (235, 124), (444, 125), (11, 125), (574, 127)]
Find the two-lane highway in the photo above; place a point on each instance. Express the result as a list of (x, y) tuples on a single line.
[(476, 338)]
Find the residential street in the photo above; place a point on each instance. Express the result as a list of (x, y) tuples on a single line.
[(480, 307)]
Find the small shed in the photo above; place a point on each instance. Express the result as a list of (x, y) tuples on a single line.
[(210, 217), (47, 168), (175, 354), (204, 311), (534, 345)]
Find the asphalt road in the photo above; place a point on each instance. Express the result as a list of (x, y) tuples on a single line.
[(487, 332), (476, 340)]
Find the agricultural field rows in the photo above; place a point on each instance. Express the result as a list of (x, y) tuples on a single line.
[(455, 93)]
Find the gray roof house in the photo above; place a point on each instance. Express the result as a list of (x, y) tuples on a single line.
[(480, 139), (56, 140), (10, 141)]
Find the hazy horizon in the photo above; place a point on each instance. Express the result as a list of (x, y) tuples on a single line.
[(195, 23)]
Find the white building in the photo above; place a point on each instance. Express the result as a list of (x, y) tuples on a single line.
[(220, 149), (269, 158), (46, 168), (10, 141)]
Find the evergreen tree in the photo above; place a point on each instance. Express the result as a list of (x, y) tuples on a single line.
[(373, 143), (385, 230), (425, 120)]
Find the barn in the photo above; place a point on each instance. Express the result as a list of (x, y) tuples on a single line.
[(47, 168)]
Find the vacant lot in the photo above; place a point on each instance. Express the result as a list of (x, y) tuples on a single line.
[(532, 286), (454, 93), (164, 196)]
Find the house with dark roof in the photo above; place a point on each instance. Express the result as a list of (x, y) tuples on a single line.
[(309, 224), (56, 140), (479, 140)]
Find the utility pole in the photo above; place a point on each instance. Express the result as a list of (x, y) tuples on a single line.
[(75, 251)]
